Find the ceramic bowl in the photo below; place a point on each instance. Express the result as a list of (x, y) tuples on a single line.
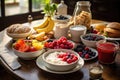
[(28, 55), (59, 67), (91, 43)]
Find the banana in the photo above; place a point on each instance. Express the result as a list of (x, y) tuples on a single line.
[(47, 29), (44, 24)]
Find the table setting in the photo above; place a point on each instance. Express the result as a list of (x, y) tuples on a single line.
[(61, 45)]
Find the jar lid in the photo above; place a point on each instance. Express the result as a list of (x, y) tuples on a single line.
[(83, 3)]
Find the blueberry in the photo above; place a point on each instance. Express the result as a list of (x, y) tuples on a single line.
[(93, 53)]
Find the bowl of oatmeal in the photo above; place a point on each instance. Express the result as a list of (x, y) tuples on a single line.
[(60, 59)]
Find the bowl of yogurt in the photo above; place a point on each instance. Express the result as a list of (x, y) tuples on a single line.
[(76, 31), (60, 59)]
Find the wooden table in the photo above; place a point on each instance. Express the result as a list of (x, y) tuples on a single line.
[(30, 71)]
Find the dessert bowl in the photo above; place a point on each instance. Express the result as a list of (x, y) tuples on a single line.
[(53, 60)]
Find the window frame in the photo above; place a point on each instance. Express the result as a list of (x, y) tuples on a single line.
[(6, 21)]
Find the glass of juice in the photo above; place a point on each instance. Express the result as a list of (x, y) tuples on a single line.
[(107, 51)]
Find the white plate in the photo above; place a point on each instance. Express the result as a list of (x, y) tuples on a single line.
[(92, 57), (40, 64), (108, 38)]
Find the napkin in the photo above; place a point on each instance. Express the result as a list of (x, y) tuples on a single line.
[(6, 55)]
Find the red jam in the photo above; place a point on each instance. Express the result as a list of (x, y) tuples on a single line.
[(107, 52)]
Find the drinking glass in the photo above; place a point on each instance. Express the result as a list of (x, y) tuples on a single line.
[(107, 51)]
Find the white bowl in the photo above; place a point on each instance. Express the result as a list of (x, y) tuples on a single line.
[(56, 67), (28, 55), (90, 43), (60, 20), (19, 36)]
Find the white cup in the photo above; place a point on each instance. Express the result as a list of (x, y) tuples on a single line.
[(76, 31)]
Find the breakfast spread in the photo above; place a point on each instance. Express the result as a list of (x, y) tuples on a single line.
[(50, 35), (61, 58)]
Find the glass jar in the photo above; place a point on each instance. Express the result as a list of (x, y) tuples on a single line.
[(82, 13)]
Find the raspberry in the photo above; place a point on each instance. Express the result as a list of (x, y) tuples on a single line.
[(69, 60), (87, 56), (80, 53), (86, 48), (62, 46), (74, 58)]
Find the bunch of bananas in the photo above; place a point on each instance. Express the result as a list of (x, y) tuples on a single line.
[(46, 26)]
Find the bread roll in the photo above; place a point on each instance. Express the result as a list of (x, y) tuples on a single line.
[(113, 30), (18, 28)]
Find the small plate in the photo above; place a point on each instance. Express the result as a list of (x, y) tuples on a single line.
[(41, 65), (92, 57)]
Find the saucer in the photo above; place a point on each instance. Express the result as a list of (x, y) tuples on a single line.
[(41, 65)]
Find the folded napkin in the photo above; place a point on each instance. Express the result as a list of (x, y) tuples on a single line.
[(6, 55)]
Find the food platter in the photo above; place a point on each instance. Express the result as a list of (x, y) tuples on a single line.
[(41, 65), (107, 38)]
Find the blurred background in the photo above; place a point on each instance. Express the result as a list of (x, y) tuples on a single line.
[(17, 11)]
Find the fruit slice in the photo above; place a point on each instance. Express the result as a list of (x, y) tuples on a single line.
[(24, 48)]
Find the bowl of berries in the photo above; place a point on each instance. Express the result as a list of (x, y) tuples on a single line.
[(61, 43), (86, 53), (90, 40), (62, 18), (60, 59), (28, 49)]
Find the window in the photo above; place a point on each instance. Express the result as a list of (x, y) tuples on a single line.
[(17, 11), (0, 8), (38, 4), (13, 7)]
